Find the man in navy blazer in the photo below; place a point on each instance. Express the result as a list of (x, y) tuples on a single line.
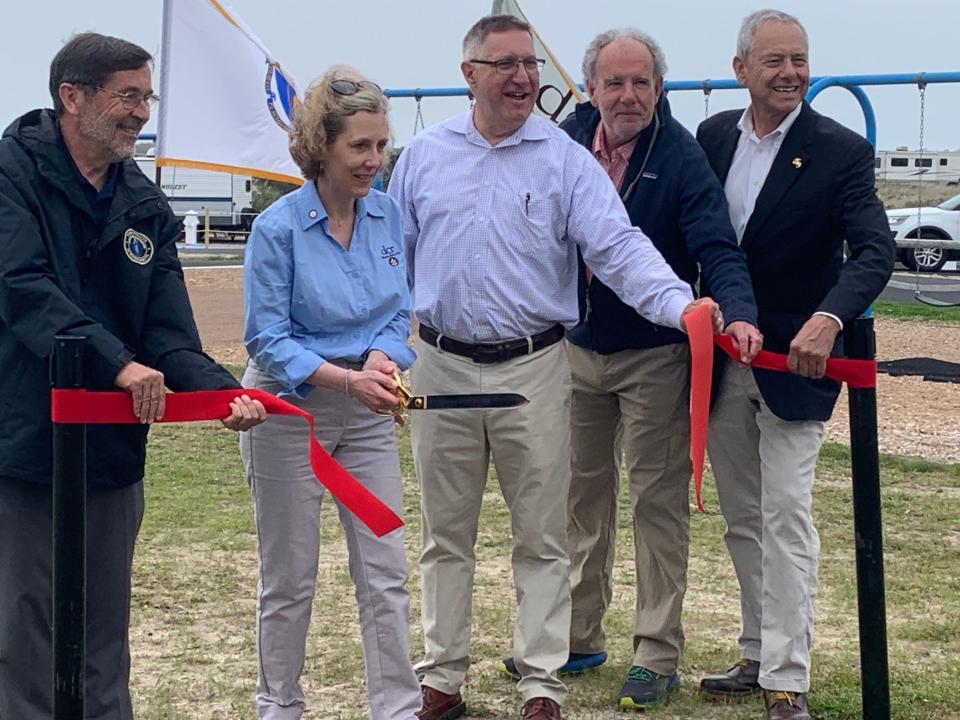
[(798, 185)]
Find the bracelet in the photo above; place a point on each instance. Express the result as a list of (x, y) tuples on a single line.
[(346, 383)]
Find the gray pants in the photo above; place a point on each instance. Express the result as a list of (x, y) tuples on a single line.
[(26, 600), (644, 392), (764, 469), (287, 501)]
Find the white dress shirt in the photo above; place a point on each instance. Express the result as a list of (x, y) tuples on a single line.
[(492, 233), (751, 164)]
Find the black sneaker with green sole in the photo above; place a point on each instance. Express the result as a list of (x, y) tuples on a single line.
[(646, 690)]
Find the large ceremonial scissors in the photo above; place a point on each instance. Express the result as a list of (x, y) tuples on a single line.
[(470, 401)]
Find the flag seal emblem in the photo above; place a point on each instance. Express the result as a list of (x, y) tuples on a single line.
[(281, 96)]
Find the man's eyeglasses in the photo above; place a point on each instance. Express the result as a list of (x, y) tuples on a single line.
[(132, 98), (351, 87), (508, 66)]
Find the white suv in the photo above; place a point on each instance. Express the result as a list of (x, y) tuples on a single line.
[(935, 223)]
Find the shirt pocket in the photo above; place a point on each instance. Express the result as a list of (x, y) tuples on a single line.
[(537, 230)]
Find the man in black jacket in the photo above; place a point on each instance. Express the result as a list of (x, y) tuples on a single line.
[(798, 186), (630, 375), (86, 248)]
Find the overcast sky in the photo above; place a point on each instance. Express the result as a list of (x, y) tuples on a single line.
[(417, 44)]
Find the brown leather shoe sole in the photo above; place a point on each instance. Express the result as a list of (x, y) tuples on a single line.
[(730, 697), (435, 712), (453, 713)]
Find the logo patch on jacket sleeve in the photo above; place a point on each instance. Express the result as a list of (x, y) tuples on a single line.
[(138, 247)]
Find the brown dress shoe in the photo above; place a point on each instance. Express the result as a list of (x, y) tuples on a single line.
[(783, 705), (737, 684), (541, 708), (440, 706)]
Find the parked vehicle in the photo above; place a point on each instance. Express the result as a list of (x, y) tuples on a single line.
[(229, 198), (929, 223), (911, 165)]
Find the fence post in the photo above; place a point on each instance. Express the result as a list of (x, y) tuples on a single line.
[(860, 342), (69, 541)]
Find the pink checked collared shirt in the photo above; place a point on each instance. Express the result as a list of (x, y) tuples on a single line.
[(615, 163)]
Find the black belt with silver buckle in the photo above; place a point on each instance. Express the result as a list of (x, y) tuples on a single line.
[(488, 353)]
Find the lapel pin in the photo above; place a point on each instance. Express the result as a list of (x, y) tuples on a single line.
[(797, 163)]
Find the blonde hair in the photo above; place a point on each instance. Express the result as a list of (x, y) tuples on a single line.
[(320, 118)]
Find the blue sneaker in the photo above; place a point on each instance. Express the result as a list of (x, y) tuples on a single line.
[(646, 690), (576, 664)]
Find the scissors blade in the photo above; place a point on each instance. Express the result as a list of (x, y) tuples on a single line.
[(466, 402)]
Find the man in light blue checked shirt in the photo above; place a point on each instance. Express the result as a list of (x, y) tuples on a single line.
[(495, 203)]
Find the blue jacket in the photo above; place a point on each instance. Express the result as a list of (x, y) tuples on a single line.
[(679, 204)]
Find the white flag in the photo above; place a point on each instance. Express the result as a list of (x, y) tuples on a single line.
[(226, 104), (558, 93)]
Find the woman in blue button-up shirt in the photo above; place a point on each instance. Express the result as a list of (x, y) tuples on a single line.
[(327, 316)]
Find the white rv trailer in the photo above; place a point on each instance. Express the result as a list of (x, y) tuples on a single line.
[(229, 198), (903, 164)]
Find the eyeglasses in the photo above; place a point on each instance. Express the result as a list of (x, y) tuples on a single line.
[(508, 66), (132, 98), (351, 87)]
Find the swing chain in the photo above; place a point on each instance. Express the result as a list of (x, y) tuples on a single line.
[(917, 294), (706, 98), (922, 86), (418, 119)]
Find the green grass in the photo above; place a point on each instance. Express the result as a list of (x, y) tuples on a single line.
[(195, 590), (916, 311)]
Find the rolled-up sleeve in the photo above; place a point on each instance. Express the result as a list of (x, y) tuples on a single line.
[(267, 286)]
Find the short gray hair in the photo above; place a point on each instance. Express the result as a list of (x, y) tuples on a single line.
[(589, 67), (752, 23), (489, 25)]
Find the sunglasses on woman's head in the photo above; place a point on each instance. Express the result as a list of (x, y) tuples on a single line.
[(351, 87)]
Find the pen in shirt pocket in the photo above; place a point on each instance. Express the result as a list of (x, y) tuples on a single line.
[(526, 205)]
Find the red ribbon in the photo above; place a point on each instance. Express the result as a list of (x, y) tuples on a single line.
[(83, 407), (855, 373), (699, 324)]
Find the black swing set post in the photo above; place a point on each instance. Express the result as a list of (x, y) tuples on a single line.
[(69, 540)]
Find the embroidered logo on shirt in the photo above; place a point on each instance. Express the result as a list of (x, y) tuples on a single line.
[(138, 247), (390, 253)]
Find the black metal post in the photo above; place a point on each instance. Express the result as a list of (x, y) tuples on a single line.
[(860, 342), (69, 540)]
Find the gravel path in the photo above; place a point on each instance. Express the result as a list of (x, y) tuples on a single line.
[(914, 417)]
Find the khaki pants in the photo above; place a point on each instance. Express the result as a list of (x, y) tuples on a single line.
[(529, 447), (764, 469), (644, 393), (287, 501)]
